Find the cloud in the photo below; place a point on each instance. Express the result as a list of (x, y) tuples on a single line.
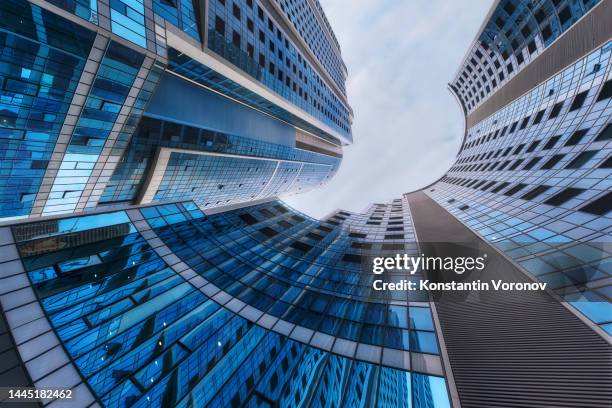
[(407, 128)]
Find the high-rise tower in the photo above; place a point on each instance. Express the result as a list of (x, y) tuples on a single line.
[(136, 101), (241, 303)]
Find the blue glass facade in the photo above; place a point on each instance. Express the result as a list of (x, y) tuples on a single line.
[(534, 180), (300, 270), (142, 328), (248, 170), (73, 99), (108, 92), (187, 67), (181, 13), (41, 60), (312, 25), (186, 282), (516, 32), (248, 36)]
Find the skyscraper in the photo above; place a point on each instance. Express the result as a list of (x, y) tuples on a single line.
[(154, 298), (533, 174), (139, 101)]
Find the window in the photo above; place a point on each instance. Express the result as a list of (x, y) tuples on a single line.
[(248, 219), (500, 187), (538, 117), (479, 184), (564, 196), (301, 246), (267, 213), (606, 91), (361, 245), (576, 137), (513, 127), (524, 123), (393, 247), (581, 159), (554, 112), (39, 164), (395, 228), (27, 197), (314, 236), (578, 101), (236, 11), (533, 146), (516, 164), (268, 232), (546, 32), (607, 164), (486, 186), (357, 235), (605, 134), (518, 148), (531, 163), (236, 39), (551, 143), (515, 190), (250, 25), (531, 47), (601, 206), (219, 26), (285, 224), (351, 258), (565, 15), (530, 195), (552, 161)]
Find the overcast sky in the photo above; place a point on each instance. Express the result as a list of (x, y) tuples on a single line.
[(400, 54)]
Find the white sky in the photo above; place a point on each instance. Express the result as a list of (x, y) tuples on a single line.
[(400, 54)]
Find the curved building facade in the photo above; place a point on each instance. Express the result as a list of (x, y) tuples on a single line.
[(533, 177), (187, 283), (164, 305)]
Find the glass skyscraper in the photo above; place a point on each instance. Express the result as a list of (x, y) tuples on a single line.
[(145, 143), (133, 101)]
